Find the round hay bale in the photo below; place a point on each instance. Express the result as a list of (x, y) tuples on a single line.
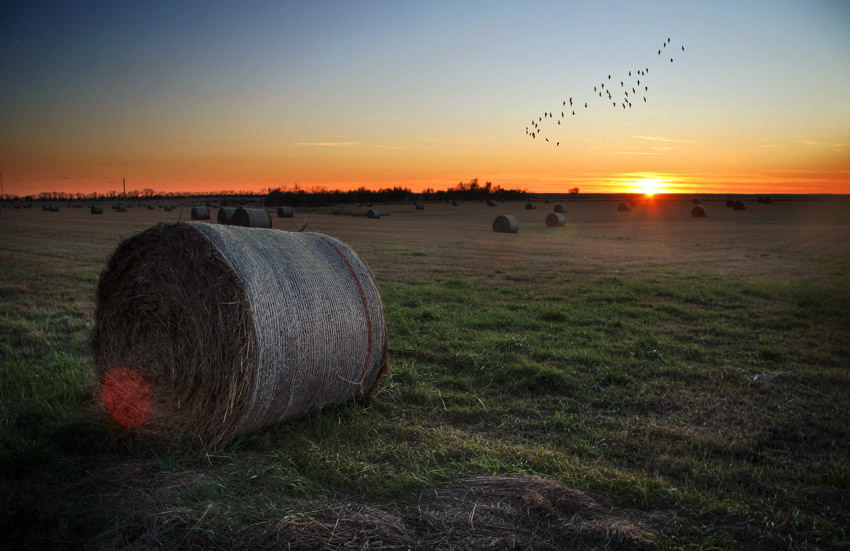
[(225, 215), (455, 203), (200, 213), (45, 207), (555, 220), (505, 223), (252, 218), (215, 331), (623, 207), (96, 209), (768, 201), (530, 206), (54, 208), (546, 201), (699, 212), (122, 208), (373, 213), (420, 205), (561, 208), (491, 203), (168, 209), (730, 203), (336, 210), (150, 207), (739, 205), (285, 212)]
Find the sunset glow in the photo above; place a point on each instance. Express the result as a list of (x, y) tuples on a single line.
[(200, 97)]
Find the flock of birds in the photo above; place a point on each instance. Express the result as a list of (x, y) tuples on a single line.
[(633, 88)]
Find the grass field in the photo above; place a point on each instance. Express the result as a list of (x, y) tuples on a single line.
[(635, 380)]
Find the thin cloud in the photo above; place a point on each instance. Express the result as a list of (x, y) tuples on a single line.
[(662, 139), (346, 144), (635, 153), (808, 142)]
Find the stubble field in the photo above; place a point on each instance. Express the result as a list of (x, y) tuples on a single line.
[(636, 380)]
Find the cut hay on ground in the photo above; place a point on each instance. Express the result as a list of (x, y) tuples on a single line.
[(555, 220), (505, 223), (560, 208), (373, 213), (200, 213), (223, 330), (623, 207), (699, 212), (96, 209), (252, 218), (285, 212), (225, 215)]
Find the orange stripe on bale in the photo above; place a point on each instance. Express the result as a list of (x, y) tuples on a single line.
[(127, 396)]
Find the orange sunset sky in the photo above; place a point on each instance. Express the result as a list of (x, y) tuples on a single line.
[(208, 96)]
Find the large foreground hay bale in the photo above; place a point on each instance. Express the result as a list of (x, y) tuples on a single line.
[(285, 212), (699, 212), (624, 207), (555, 220), (561, 208), (505, 223), (373, 213), (225, 215), (217, 331), (96, 209), (252, 218), (200, 213)]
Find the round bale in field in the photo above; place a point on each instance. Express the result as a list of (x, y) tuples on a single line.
[(336, 210), (200, 213), (561, 208), (768, 201), (214, 331), (122, 208), (420, 205), (530, 206), (285, 212), (252, 218), (623, 207), (699, 212), (455, 203), (96, 209), (505, 223), (225, 215), (491, 203), (54, 208), (373, 213), (739, 205), (555, 220), (730, 203)]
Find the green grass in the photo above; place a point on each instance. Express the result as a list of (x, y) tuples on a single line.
[(717, 407)]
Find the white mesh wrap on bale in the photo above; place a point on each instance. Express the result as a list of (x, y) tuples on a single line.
[(313, 311)]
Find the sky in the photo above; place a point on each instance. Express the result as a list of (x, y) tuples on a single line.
[(209, 96)]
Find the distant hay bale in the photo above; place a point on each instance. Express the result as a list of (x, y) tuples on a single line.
[(530, 206), (561, 208), (373, 213), (699, 212), (768, 201), (546, 201), (730, 203), (455, 203), (285, 212), (96, 209), (623, 207), (122, 208), (505, 223), (336, 210), (420, 205), (225, 215), (491, 203), (168, 209), (45, 207), (200, 213), (555, 220), (739, 205), (214, 331), (252, 218), (695, 200), (150, 207), (54, 208)]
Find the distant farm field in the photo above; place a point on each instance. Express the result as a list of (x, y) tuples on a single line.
[(636, 380)]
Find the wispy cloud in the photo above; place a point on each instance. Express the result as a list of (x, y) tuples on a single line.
[(808, 142), (635, 153), (347, 144), (662, 139), (768, 145)]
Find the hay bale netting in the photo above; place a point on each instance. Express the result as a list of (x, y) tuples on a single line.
[(225, 215), (336, 210), (530, 206), (216, 331), (739, 205), (373, 213), (252, 218), (505, 223), (555, 220), (699, 212), (623, 207), (200, 213), (96, 209), (285, 212), (561, 208)]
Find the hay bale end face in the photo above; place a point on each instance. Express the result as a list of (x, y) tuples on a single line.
[(555, 220), (285, 212), (699, 212), (235, 329), (252, 218), (96, 209), (561, 208), (505, 223), (530, 206), (225, 215), (739, 205), (373, 213), (623, 207), (200, 213)]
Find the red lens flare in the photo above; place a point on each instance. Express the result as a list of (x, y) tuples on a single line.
[(127, 396)]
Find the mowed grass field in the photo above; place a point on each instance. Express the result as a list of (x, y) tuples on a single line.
[(632, 380)]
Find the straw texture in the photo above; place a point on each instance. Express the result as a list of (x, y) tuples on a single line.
[(505, 223), (234, 329), (252, 218)]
